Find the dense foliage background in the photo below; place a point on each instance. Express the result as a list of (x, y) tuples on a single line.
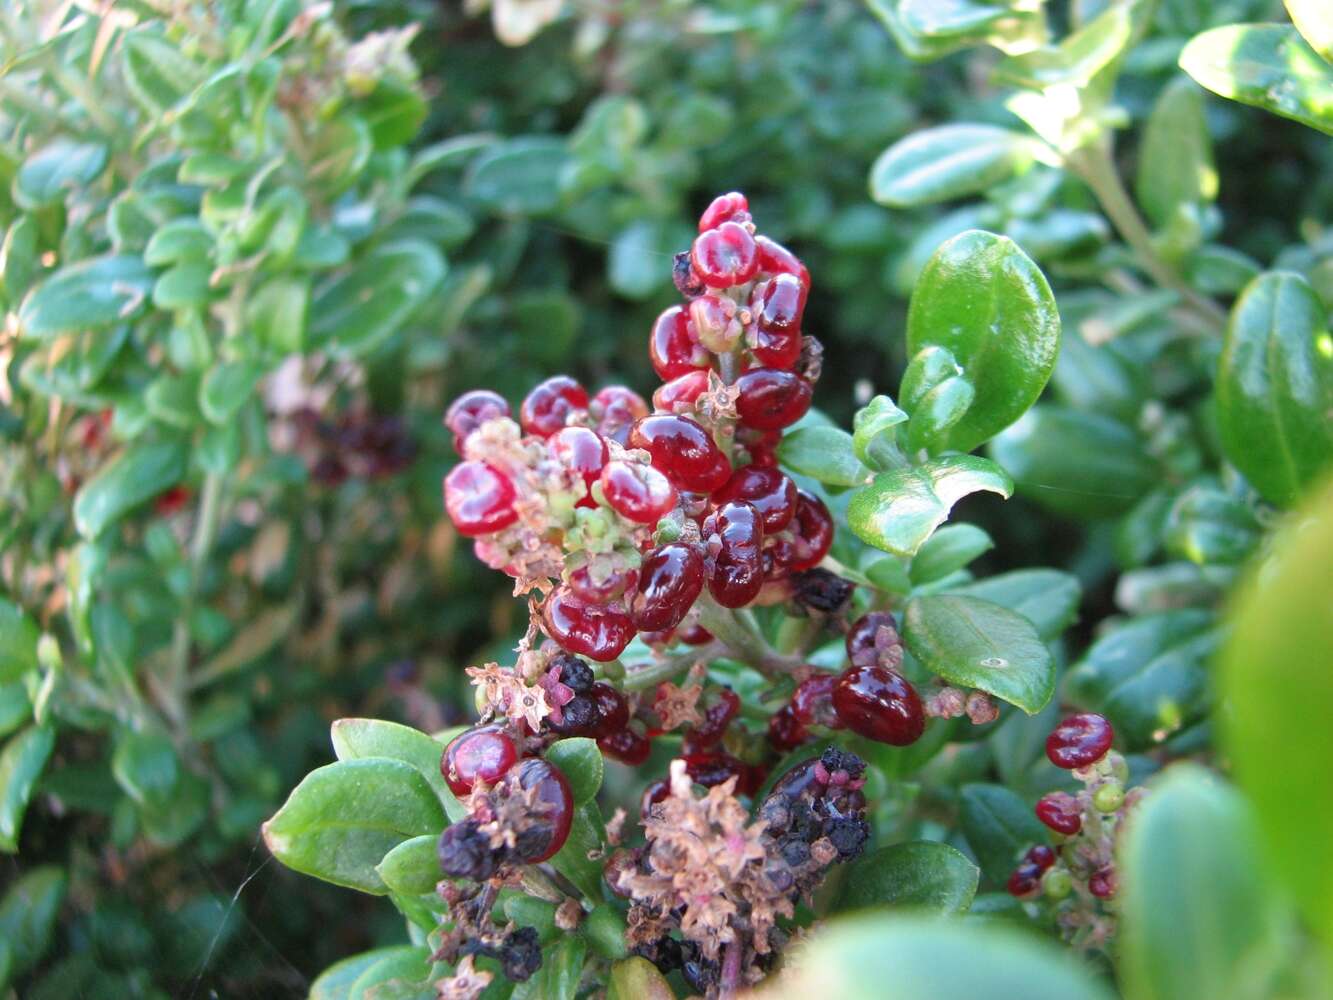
[(252, 250)]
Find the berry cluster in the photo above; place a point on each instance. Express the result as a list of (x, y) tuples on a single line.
[(357, 444), (1079, 873)]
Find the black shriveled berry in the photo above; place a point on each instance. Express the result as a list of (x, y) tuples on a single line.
[(700, 974), (465, 852), (665, 953), (820, 590), (834, 759), (849, 835), (521, 954), (575, 674), (578, 717), (795, 851), (683, 275)]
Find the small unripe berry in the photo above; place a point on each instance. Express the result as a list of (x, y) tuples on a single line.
[(1108, 798), (1057, 884), (715, 323)]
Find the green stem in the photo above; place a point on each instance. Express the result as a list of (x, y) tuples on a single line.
[(205, 532), (649, 674), (1094, 165), (743, 641)]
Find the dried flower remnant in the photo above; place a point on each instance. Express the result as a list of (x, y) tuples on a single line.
[(467, 982)]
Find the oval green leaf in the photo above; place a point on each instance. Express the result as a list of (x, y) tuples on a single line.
[(21, 763), (1046, 597), (413, 867), (999, 827), (140, 473), (988, 304), (360, 309), (96, 292), (354, 739), (579, 760), (824, 454), (949, 161), (922, 874)]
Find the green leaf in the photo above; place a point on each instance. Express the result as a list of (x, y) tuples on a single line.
[(357, 738), (1275, 386), (403, 975), (18, 258), (28, 914), (604, 929), (157, 73), (1268, 66), (1199, 916), (178, 241), (634, 263), (873, 434), (276, 313), (413, 867), (571, 861), (519, 176), (824, 454), (947, 551), (226, 388), (1075, 463), (978, 644), (1046, 597), (54, 170), (1314, 20), (1209, 526), (579, 760), (342, 819), (96, 292), (145, 765), (15, 706), (140, 473), (937, 412), (1080, 57), (999, 827), (558, 978), (985, 301), (394, 110), (335, 982), (18, 642), (1275, 678), (21, 763), (637, 979), (946, 162), (184, 286), (174, 400), (360, 309), (913, 957), (922, 874), (901, 508), (1148, 676), (1176, 158)]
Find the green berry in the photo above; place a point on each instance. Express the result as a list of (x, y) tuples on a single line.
[(1057, 883), (1109, 797)]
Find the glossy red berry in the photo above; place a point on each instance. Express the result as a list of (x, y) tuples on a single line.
[(872, 638), (681, 392), (734, 542), (771, 399), (779, 303), (774, 258), (683, 451), (1061, 812), (637, 492), (694, 635), (672, 346), (716, 718), (484, 752), (1040, 855), (656, 792), (812, 701), (776, 348), (730, 207), (472, 409), (479, 498), (1102, 883), (555, 813), (725, 256), (768, 491), (615, 408), (550, 404), (811, 532), (584, 452), (880, 705), (627, 746), (670, 580), (1025, 880), (785, 730), (713, 768), (598, 631), (612, 709), (1079, 740), (602, 586)]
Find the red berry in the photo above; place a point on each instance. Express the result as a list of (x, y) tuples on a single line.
[(694, 635), (871, 638), (598, 631), (1040, 855), (717, 717), (776, 348), (627, 746), (880, 705), (615, 408), (725, 256), (683, 451), (672, 346), (472, 409), (812, 701), (779, 303), (1025, 880), (785, 730), (550, 404), (602, 587), (1102, 883), (1061, 812), (709, 769), (768, 491), (637, 492), (1079, 741), (681, 391), (479, 498), (771, 399), (734, 539), (484, 752), (584, 452), (774, 258), (653, 794), (811, 530), (612, 709), (556, 808), (173, 500), (669, 583), (731, 207)]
